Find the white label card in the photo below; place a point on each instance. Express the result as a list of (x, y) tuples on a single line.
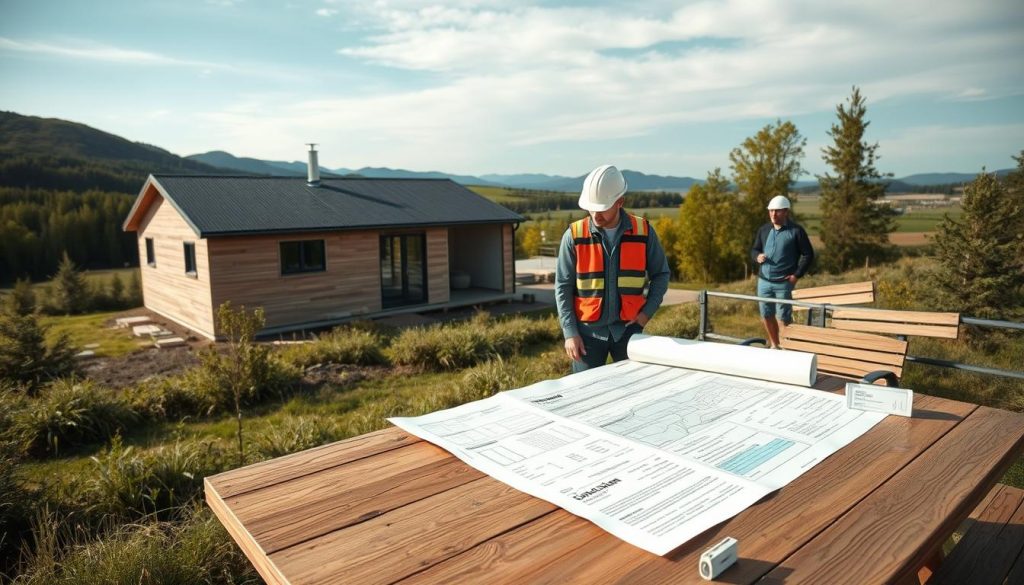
[(879, 399)]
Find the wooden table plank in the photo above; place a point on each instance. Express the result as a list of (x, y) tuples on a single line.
[(266, 473), (407, 540), (291, 512), (893, 527), (516, 556), (773, 528)]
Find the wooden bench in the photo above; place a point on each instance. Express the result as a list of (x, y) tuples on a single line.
[(848, 354), (852, 293), (903, 323), (992, 548)]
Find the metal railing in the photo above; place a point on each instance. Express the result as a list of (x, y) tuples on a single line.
[(703, 333)]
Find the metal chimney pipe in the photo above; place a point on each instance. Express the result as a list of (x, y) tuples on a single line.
[(313, 176)]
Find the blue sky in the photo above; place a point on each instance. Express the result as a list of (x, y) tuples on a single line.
[(477, 86)]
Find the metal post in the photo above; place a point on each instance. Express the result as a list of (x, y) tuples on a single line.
[(824, 313), (702, 301)]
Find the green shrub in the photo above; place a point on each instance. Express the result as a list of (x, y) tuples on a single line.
[(69, 413), (293, 435), (255, 373), (342, 345), (195, 550)]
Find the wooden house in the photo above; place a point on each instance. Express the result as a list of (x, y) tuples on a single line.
[(315, 252)]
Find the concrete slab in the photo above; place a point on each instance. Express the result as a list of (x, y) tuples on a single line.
[(130, 321), (170, 342), (143, 330)]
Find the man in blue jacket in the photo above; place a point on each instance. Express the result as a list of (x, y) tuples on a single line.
[(783, 254)]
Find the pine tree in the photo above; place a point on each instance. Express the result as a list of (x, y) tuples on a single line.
[(71, 293), (134, 297), (25, 357), (982, 254), (21, 301), (116, 291), (854, 226)]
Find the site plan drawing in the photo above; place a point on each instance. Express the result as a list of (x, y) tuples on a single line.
[(653, 453)]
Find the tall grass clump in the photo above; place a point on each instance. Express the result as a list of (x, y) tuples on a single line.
[(15, 504), (681, 321), (440, 347), (195, 550), (125, 484), (459, 345), (342, 345), (68, 413), (293, 435)]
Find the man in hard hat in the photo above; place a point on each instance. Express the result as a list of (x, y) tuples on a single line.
[(606, 262), (783, 254)]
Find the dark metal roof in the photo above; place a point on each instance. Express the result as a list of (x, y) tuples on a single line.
[(219, 205)]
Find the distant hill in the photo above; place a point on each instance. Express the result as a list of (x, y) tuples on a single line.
[(57, 154), (386, 173), (255, 166)]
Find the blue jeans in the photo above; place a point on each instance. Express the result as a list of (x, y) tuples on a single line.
[(776, 290), (598, 350)]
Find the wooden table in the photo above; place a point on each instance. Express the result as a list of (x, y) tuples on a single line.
[(387, 507)]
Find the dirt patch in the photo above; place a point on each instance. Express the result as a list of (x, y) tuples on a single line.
[(124, 371)]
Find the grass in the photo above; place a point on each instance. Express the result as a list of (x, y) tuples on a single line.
[(92, 328)]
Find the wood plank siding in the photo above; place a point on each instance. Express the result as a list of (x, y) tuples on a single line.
[(247, 271), (437, 266), (166, 288)]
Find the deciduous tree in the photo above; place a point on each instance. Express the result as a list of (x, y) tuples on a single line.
[(705, 224), (764, 165)]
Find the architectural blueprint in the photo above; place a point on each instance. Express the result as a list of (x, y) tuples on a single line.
[(653, 453)]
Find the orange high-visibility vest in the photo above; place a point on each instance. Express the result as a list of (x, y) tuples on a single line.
[(590, 270)]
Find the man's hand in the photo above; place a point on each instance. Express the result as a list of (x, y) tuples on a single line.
[(761, 258), (641, 319), (792, 279), (574, 348)]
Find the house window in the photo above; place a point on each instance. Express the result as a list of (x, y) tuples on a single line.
[(302, 256), (150, 253), (190, 258)]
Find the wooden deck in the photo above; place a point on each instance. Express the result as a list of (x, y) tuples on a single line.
[(387, 507)]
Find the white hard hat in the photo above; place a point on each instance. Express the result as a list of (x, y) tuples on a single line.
[(602, 188), (779, 202)]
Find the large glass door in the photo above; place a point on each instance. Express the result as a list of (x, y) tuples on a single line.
[(403, 270)]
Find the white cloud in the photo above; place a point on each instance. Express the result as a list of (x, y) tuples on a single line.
[(99, 52), (497, 80)]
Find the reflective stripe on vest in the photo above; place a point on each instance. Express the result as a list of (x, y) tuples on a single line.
[(590, 270)]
